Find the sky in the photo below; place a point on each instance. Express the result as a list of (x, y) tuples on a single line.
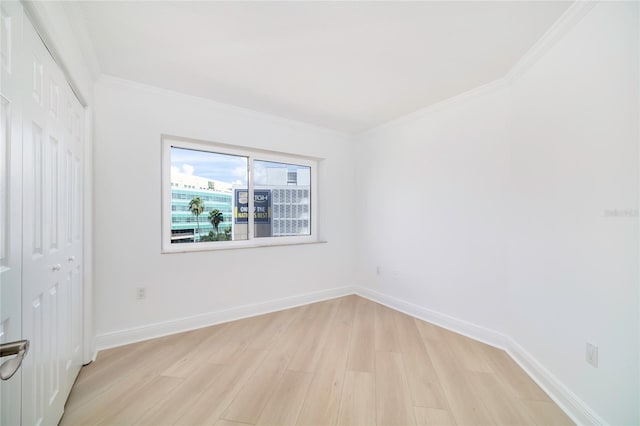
[(220, 167)]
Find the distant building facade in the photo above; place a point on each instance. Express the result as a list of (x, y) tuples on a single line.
[(281, 205), (214, 194)]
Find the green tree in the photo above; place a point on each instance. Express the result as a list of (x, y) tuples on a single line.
[(215, 217), (196, 206), (209, 237)]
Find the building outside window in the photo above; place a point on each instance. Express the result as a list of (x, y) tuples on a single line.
[(207, 196)]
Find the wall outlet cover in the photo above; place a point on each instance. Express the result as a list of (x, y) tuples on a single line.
[(592, 354)]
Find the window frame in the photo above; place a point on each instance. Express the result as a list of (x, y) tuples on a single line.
[(169, 141)]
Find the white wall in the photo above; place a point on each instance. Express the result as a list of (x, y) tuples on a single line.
[(573, 268), (496, 209), (129, 121), (430, 193)]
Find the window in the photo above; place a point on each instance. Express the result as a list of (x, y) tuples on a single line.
[(210, 188)]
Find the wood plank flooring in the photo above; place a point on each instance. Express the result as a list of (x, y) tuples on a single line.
[(346, 361)]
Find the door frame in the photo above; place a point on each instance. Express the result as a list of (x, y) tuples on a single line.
[(52, 25)]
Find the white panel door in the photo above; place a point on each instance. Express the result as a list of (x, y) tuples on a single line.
[(10, 201), (52, 234)]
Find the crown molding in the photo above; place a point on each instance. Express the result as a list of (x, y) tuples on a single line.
[(52, 25), (569, 19), (74, 16), (439, 106), (107, 80)]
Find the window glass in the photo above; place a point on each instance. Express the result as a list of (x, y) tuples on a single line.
[(218, 196), (282, 199), (202, 190)]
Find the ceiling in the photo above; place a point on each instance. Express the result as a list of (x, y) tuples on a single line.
[(347, 66)]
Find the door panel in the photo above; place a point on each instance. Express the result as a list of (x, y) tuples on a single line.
[(40, 223), (10, 200), (72, 257), (52, 235)]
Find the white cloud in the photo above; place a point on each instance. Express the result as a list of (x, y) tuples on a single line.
[(240, 172), (259, 173), (188, 169)]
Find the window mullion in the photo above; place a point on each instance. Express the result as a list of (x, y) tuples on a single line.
[(250, 201)]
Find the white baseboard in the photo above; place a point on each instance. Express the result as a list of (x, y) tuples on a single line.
[(569, 402), (474, 331), (152, 331), (573, 406)]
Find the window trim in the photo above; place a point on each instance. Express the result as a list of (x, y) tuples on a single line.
[(169, 141)]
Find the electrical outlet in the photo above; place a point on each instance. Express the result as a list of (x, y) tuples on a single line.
[(141, 293), (592, 354)]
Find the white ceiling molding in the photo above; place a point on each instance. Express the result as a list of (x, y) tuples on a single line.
[(84, 41), (570, 18), (562, 26), (451, 102), (52, 24), (347, 66), (179, 97)]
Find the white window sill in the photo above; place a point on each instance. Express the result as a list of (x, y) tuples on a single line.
[(223, 246)]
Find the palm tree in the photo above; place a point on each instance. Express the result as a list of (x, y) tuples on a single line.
[(196, 206), (215, 217)]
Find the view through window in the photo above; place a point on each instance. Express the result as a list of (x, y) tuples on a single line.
[(202, 187), (281, 199), (210, 197)]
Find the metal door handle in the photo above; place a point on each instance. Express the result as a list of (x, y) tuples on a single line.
[(9, 368)]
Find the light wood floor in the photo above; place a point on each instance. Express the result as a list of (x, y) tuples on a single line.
[(344, 361)]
